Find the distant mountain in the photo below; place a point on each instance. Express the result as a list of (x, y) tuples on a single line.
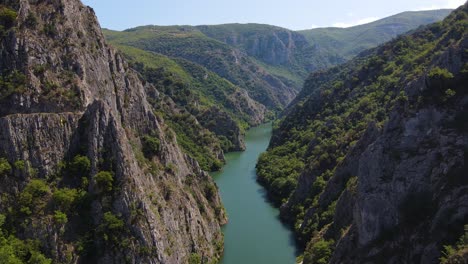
[(277, 49), (219, 80), (348, 42), (232, 64), (269, 62), (369, 163)]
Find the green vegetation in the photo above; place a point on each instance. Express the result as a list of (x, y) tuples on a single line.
[(65, 198), (5, 167), (195, 259), (19, 165), (31, 21), (343, 43), (333, 112), (16, 251), (79, 167), (456, 254), (33, 197), (60, 217), (150, 146), (189, 44), (196, 144), (320, 252), (104, 181), (193, 67), (12, 83), (194, 90), (439, 73), (61, 199), (7, 19), (111, 227)]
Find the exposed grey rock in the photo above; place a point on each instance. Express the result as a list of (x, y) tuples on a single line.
[(98, 107)]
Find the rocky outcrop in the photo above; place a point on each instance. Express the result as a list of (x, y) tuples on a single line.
[(223, 125), (412, 190), (74, 95), (272, 45)]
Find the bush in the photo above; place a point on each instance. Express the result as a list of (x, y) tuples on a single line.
[(439, 73), (65, 198), (60, 217), (150, 146), (11, 83), (80, 166), (32, 195), (15, 251), (320, 252), (449, 93), (104, 180), (5, 167), (20, 165), (111, 227), (37, 188), (112, 222), (455, 254), (195, 259)]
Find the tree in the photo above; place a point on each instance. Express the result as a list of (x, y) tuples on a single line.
[(5, 167), (65, 198), (104, 180), (150, 146), (80, 166)]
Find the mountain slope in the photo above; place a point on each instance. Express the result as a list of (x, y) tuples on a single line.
[(369, 162), (232, 64), (301, 52), (276, 49), (89, 173), (348, 42), (194, 93)]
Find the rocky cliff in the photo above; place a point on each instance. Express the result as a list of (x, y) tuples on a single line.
[(272, 45), (97, 176), (370, 160)]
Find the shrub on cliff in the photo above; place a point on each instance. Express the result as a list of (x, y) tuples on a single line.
[(104, 180), (7, 17), (80, 166), (5, 167), (150, 146)]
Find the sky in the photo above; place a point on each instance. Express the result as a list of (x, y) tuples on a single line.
[(291, 14)]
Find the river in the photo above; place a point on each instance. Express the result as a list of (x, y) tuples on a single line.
[(254, 234)]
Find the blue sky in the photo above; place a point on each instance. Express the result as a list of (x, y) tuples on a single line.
[(292, 14)]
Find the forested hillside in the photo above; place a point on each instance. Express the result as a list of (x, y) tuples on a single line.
[(369, 162)]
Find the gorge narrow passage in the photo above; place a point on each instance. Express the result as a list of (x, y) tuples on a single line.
[(254, 234)]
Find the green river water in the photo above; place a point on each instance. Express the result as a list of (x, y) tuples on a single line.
[(254, 234)]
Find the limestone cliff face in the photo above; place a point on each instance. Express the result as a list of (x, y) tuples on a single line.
[(75, 95), (412, 190), (273, 45), (223, 125)]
